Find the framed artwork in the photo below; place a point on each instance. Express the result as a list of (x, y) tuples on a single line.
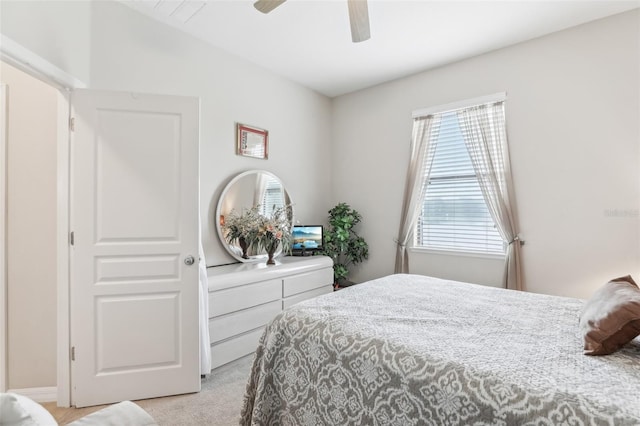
[(252, 141)]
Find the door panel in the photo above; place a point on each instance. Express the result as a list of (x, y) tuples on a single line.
[(139, 151), (157, 336), (122, 269), (134, 215)]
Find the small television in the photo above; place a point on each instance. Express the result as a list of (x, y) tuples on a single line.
[(307, 239)]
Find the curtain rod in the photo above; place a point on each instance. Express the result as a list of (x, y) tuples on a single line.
[(496, 97)]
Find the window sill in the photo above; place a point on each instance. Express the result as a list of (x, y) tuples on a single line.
[(457, 253)]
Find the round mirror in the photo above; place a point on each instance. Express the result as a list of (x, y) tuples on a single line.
[(243, 192)]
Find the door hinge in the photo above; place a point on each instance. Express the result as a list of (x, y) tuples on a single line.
[(73, 353), (72, 124), (72, 238)]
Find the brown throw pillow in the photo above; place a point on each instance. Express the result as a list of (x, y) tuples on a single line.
[(611, 318)]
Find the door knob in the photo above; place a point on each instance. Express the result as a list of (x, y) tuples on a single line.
[(189, 260)]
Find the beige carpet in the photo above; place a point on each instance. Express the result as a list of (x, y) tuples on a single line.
[(218, 403)]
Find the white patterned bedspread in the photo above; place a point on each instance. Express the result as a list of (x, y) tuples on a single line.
[(416, 350)]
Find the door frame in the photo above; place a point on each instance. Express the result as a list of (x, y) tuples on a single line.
[(3, 238), (33, 64)]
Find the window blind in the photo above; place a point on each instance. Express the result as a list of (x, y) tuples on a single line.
[(454, 215), (273, 197)]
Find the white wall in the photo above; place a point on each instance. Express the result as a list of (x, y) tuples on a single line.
[(31, 231), (573, 126), (59, 31)]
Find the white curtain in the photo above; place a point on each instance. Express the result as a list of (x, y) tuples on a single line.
[(203, 292), (485, 136), (415, 186), (262, 179)]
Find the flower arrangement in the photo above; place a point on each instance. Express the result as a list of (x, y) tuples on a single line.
[(240, 227), (254, 230), (273, 230)]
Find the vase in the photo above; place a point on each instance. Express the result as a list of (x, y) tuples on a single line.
[(270, 260), (243, 246)]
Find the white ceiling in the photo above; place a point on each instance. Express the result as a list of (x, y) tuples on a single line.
[(309, 42)]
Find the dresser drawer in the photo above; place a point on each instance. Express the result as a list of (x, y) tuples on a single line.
[(289, 301), (307, 281), (226, 326), (243, 297), (235, 348)]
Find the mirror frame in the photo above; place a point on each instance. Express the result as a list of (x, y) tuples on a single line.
[(235, 179)]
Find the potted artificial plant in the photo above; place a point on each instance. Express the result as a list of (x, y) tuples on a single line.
[(342, 244)]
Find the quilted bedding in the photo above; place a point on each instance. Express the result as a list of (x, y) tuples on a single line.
[(415, 350)]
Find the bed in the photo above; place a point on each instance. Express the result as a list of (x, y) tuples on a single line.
[(409, 349)]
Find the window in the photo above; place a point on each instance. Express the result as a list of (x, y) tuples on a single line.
[(454, 214), (272, 198)]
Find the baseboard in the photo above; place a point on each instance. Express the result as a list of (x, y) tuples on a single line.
[(38, 394)]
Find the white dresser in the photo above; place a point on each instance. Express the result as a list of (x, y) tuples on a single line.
[(244, 297)]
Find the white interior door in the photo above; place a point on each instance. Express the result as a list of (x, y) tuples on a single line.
[(134, 253)]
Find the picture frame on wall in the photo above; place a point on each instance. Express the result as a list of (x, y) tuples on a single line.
[(252, 141)]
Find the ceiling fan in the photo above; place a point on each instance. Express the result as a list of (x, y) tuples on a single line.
[(358, 16)]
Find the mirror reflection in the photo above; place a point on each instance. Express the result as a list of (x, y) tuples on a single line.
[(248, 189)]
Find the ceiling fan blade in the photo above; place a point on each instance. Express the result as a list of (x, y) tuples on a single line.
[(266, 6), (359, 19)]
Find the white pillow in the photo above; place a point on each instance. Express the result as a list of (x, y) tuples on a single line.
[(18, 410), (125, 413)]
